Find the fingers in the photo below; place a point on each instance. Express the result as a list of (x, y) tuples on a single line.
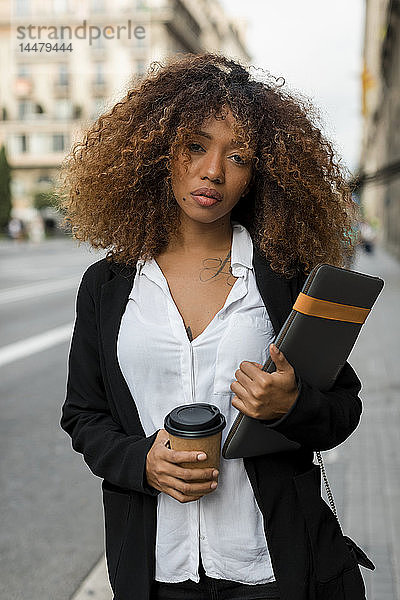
[(174, 467), (249, 371), (279, 359), (183, 456), (178, 456), (186, 474), (186, 485), (243, 378), (166, 474), (187, 488)]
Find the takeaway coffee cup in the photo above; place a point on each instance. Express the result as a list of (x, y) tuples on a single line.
[(196, 427)]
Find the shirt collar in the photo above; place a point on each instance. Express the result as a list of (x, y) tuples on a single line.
[(242, 248)]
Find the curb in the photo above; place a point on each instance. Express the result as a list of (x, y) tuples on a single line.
[(96, 585)]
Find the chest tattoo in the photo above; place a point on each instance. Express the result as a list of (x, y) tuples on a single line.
[(212, 267)]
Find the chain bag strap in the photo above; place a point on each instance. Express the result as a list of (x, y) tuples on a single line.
[(356, 551), (326, 482)]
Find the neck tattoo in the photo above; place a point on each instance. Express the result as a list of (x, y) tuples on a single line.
[(212, 267)]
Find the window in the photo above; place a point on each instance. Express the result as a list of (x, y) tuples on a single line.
[(77, 111), (98, 107), (44, 179), (140, 67), (98, 43), (29, 110), (99, 73), (22, 7), (62, 74), (58, 142), (23, 71), (62, 109), (97, 5), (20, 144), (39, 143), (24, 109)]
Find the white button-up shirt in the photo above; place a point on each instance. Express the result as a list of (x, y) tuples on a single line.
[(164, 369)]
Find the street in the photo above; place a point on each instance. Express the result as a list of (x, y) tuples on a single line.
[(50, 502), (51, 511)]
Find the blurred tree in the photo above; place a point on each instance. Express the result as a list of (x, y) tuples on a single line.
[(5, 191), (43, 199)]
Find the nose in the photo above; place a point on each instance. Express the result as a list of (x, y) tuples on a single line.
[(212, 168)]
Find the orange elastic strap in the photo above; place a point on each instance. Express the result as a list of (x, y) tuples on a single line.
[(330, 310)]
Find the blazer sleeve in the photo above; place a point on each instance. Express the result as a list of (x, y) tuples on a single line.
[(323, 420), (107, 450)]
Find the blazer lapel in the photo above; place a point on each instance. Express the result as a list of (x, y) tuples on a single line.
[(274, 289), (113, 300)]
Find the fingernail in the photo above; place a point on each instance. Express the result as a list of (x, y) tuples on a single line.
[(214, 485), (202, 456), (215, 473)]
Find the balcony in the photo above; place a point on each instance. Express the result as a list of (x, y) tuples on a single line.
[(181, 24)]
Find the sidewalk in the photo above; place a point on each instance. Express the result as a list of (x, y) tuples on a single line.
[(367, 472), (364, 471)]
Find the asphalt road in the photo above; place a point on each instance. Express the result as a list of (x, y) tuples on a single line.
[(51, 515), (50, 503)]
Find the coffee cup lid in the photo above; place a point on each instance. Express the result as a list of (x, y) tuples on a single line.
[(194, 420)]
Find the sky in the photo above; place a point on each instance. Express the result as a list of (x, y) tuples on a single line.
[(316, 46)]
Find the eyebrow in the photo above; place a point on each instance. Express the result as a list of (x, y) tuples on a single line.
[(234, 143)]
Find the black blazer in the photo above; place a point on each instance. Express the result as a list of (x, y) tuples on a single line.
[(309, 556)]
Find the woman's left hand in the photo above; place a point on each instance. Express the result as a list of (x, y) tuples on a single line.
[(263, 395)]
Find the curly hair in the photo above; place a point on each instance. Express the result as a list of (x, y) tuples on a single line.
[(115, 185)]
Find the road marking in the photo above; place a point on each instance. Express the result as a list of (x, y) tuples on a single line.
[(38, 289), (34, 344)]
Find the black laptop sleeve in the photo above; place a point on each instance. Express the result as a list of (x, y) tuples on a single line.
[(316, 338)]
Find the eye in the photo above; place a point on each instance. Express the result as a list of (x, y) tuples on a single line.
[(194, 147), (194, 144), (242, 161)]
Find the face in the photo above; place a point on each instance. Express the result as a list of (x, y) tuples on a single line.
[(218, 164)]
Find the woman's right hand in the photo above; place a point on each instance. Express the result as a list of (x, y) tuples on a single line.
[(164, 473)]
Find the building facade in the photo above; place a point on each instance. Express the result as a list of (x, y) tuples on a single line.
[(64, 62), (379, 173)]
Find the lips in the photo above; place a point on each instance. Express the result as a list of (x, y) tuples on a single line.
[(208, 193)]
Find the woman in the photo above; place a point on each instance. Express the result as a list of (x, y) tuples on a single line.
[(216, 195)]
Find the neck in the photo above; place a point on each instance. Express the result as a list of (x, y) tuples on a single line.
[(198, 238)]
